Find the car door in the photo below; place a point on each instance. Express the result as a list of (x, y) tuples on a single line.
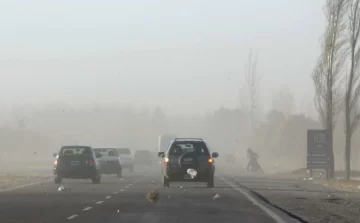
[(97, 161)]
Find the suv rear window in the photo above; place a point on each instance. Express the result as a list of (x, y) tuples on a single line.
[(72, 150), (179, 148), (106, 151)]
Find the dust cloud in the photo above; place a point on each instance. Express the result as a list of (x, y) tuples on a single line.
[(279, 135)]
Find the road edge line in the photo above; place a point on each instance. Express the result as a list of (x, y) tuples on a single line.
[(268, 211), (24, 186)]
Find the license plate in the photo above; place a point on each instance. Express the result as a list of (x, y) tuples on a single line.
[(187, 177), (75, 163), (188, 159)]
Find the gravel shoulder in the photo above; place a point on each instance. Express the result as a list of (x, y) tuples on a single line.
[(306, 200)]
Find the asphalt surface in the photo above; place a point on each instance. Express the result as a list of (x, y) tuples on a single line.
[(124, 200)]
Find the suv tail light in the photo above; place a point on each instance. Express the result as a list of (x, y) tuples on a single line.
[(57, 162), (166, 161), (210, 160), (91, 162)]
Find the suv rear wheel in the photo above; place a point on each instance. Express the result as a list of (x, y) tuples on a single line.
[(58, 180), (210, 183), (166, 182), (96, 179)]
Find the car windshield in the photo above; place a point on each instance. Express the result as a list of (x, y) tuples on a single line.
[(106, 151), (124, 151), (179, 148), (71, 151)]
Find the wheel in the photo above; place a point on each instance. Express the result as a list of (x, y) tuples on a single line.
[(119, 175), (210, 183), (96, 179), (57, 180), (166, 182)]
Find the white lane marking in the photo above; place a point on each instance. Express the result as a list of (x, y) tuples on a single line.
[(127, 187), (99, 202), (108, 197), (24, 185), (72, 216), (87, 208), (115, 193), (269, 212), (121, 190)]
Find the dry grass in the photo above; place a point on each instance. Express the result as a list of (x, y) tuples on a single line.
[(6, 179), (9, 177), (345, 185), (153, 196), (301, 171)]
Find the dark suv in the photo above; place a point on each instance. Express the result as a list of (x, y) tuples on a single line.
[(184, 154), (77, 162)]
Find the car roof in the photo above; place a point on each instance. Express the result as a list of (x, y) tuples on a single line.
[(189, 139), (104, 148), (76, 146)]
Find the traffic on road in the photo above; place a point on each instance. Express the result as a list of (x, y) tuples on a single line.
[(95, 184)]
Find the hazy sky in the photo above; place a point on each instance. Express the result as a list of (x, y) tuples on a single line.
[(187, 56)]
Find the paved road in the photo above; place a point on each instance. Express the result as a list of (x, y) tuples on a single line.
[(117, 200)]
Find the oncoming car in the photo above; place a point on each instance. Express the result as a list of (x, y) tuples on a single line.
[(110, 161), (77, 162), (184, 154)]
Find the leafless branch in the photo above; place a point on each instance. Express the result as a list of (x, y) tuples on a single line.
[(352, 113), (252, 80), (353, 81), (327, 73)]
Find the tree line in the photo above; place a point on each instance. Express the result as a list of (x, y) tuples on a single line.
[(336, 75)]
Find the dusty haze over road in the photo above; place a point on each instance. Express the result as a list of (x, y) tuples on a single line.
[(155, 53)]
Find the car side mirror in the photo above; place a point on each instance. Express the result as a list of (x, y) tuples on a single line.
[(215, 154), (97, 155), (55, 155), (161, 154)]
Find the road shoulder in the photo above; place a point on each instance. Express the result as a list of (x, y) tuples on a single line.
[(304, 200)]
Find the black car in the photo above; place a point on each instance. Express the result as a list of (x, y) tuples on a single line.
[(77, 162), (142, 157), (185, 154)]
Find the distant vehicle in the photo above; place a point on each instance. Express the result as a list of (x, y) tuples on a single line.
[(164, 142), (127, 158), (77, 162), (110, 161), (184, 154), (142, 157)]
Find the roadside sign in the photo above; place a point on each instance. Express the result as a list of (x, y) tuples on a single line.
[(319, 154)]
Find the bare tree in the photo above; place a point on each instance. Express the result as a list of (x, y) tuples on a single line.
[(327, 73), (252, 80), (352, 113)]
